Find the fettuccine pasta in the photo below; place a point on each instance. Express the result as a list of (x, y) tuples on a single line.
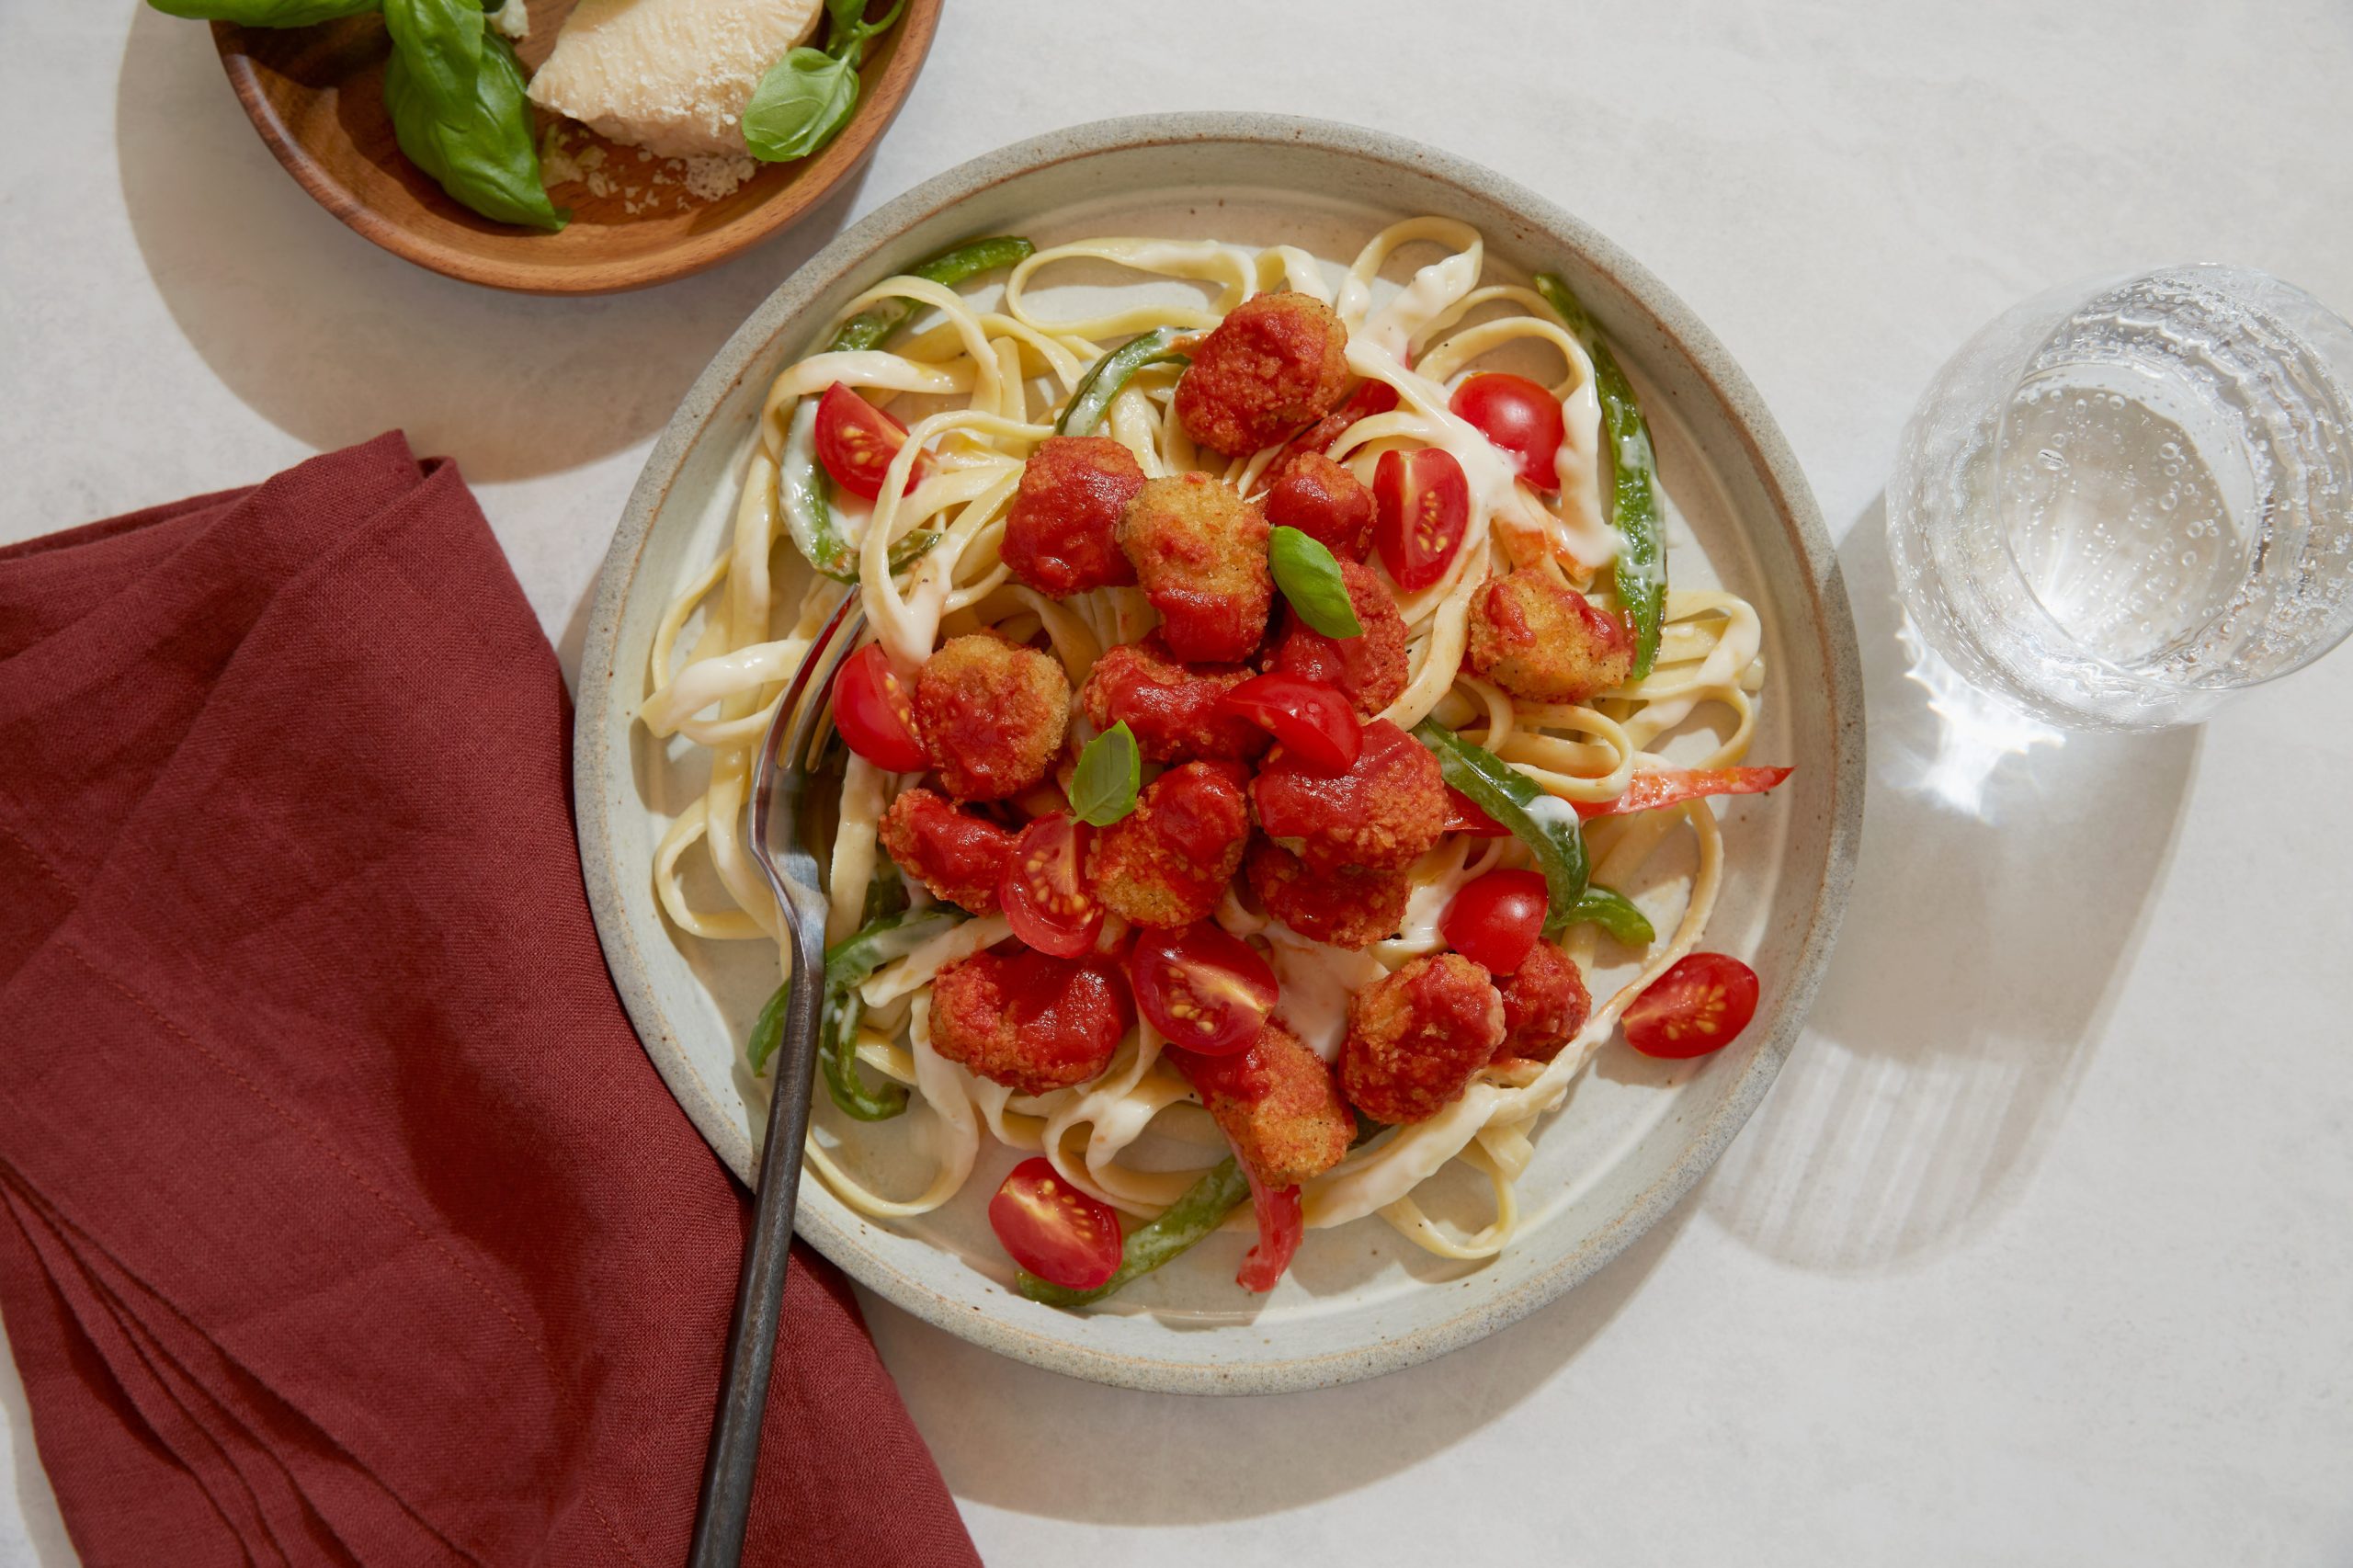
[(947, 571)]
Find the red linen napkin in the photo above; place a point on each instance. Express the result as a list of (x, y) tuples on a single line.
[(346, 1220)]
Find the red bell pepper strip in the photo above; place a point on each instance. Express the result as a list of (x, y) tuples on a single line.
[(1666, 786), (1280, 1227), (1464, 815)]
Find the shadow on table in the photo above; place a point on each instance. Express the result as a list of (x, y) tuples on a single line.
[(334, 340), (36, 1502), (2003, 887), (1005, 1432)]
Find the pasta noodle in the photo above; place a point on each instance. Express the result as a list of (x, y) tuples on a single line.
[(976, 388)]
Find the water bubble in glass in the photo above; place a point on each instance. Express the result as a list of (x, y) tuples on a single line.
[(2121, 502)]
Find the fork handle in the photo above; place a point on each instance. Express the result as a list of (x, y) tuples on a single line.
[(725, 1503)]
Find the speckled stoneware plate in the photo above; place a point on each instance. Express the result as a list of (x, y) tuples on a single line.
[(1634, 1135)]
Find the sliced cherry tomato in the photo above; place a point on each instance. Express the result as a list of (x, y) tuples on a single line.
[(1206, 990), (1316, 721), (873, 713), (1054, 1231), (1280, 1226), (1520, 419), (1464, 815), (1495, 920), (1700, 1006), (1422, 505), (856, 441), (1666, 786), (1043, 890)]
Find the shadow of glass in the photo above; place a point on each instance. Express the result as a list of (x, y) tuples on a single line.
[(1004, 1431), (2002, 890), (334, 341)]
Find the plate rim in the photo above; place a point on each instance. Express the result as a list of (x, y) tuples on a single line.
[(1776, 466)]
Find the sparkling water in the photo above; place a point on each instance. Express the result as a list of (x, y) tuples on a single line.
[(2116, 506)]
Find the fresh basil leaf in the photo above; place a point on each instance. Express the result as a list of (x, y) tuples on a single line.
[(801, 104), (479, 149), (1103, 789), (845, 17), (440, 43), (265, 13), (1309, 575)]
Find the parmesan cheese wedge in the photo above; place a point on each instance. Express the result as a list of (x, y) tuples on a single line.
[(671, 76)]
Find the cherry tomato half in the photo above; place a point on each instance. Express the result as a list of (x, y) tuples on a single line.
[(1054, 1231), (856, 441), (1495, 920), (1520, 419), (1204, 989), (1044, 892), (873, 713), (1700, 1006), (1422, 505), (1316, 721)]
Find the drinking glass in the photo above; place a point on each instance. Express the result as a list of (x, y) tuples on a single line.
[(2124, 500)]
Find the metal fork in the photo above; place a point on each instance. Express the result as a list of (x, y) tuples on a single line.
[(784, 840)]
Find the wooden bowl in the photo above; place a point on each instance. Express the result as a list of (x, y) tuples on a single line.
[(316, 96)]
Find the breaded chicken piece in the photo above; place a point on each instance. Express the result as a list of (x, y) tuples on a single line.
[(1384, 813), (1200, 550), (1416, 1039), (1346, 907), (1545, 1004), (959, 857), (1541, 640), (1062, 533), (992, 715), (1371, 667), (1167, 863), (1170, 709), (1276, 1103), (1277, 363), (1031, 1022)]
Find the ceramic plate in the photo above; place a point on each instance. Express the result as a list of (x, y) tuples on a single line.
[(1634, 1135)]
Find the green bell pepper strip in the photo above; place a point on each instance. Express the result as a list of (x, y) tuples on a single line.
[(1546, 824), (871, 326), (847, 964), (1634, 505), (1109, 376), (804, 496), (768, 1031), (805, 493), (1614, 913), (1204, 1205)]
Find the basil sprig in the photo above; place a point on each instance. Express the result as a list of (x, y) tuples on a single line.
[(1309, 575), (806, 97), (1103, 789), (265, 13), (456, 100)]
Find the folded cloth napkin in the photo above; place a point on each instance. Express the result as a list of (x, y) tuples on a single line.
[(346, 1221)]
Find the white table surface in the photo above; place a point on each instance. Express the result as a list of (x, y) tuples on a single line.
[(2041, 1251)]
